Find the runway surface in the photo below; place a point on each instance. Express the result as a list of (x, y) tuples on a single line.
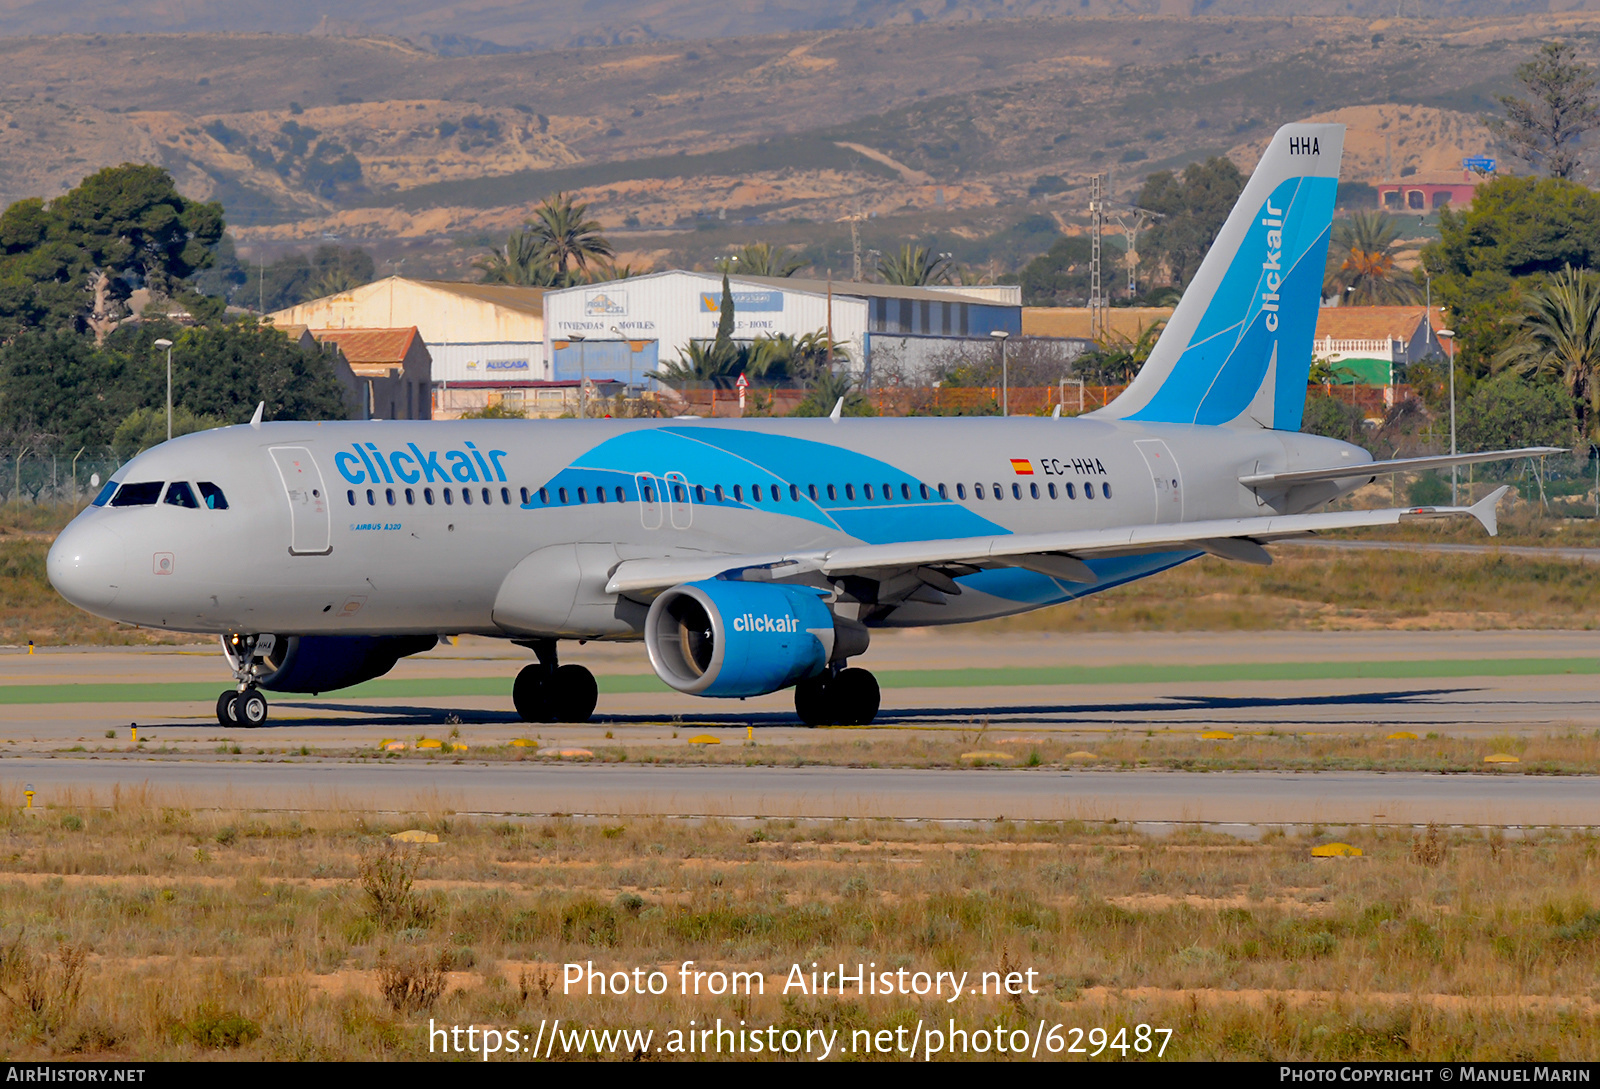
[(1254, 798), (54, 722)]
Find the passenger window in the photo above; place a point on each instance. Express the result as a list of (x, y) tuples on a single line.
[(505, 496), (678, 494), (1105, 490), (599, 495), (832, 495), (1071, 490), (811, 490), (449, 500), (466, 496), (850, 492), (717, 491), (179, 494), (1052, 488), (943, 492), (999, 493), (755, 493), (143, 494), (1034, 489), (351, 495), (212, 498), (977, 490), (524, 494), (427, 496), (699, 493), (647, 491), (905, 491), (583, 495), (105, 494), (621, 495), (544, 496), (488, 499), (888, 493), (738, 493), (867, 490), (388, 493), (372, 500), (794, 492), (1088, 490), (411, 498), (961, 491), (777, 494), (1016, 490), (561, 495)]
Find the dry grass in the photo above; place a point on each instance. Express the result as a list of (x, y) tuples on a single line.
[(257, 936)]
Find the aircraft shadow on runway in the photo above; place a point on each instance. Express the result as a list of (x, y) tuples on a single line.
[(403, 716)]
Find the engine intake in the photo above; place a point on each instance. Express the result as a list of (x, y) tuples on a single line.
[(323, 663), (724, 638)]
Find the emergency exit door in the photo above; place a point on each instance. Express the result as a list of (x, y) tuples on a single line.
[(1167, 479)]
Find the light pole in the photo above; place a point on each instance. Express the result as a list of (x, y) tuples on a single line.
[(583, 379), (627, 391), (1454, 471), (1005, 384), (167, 344)]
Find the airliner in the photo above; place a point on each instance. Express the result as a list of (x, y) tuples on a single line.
[(755, 555)]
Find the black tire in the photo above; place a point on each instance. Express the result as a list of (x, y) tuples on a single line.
[(530, 694), (251, 708), (855, 697), (225, 706), (811, 701), (575, 694)]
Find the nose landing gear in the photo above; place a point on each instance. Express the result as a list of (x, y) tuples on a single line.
[(849, 697), (547, 692), (244, 706)]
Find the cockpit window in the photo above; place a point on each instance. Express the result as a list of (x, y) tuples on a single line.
[(212, 495), (180, 494), (105, 494), (143, 494)]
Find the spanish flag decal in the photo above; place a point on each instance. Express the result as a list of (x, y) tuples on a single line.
[(1022, 466)]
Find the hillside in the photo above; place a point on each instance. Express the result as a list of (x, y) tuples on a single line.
[(959, 129)]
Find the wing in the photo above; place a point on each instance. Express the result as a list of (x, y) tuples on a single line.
[(1358, 470), (912, 566)]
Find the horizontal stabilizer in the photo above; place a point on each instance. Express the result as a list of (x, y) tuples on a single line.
[(1358, 470)]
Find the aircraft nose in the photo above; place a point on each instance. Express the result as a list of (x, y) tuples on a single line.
[(86, 566)]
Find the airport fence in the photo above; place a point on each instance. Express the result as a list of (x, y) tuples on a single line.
[(47, 476)]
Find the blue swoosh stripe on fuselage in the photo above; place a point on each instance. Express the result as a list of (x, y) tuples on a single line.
[(753, 459)]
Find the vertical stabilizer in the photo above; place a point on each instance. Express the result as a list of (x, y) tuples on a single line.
[(1237, 351)]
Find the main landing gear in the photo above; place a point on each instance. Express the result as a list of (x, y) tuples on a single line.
[(547, 692), (848, 697), (245, 705)]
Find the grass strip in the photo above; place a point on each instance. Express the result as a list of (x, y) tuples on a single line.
[(420, 688)]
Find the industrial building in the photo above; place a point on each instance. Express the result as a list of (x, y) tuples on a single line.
[(625, 328), (484, 340)]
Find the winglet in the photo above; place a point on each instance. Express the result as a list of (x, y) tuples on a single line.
[(261, 408), (1484, 510), (838, 409)]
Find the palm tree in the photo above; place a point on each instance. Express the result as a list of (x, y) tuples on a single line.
[(783, 358), (1361, 262), (1558, 333), (915, 266), (760, 259), (520, 262), (567, 240)]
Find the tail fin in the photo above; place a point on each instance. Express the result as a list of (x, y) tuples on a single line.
[(1237, 351)]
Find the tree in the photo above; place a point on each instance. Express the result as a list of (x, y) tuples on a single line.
[(1544, 129), (297, 277), (1558, 336), (1195, 207), (1508, 411), (1361, 267), (1516, 234), (760, 259), (521, 261), (1060, 275), (723, 345), (567, 240), (146, 427), (915, 266)]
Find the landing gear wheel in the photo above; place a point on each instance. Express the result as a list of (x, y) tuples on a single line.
[(855, 698), (811, 701), (529, 694), (225, 708), (574, 694), (250, 708)]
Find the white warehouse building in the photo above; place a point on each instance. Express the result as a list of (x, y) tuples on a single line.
[(624, 328)]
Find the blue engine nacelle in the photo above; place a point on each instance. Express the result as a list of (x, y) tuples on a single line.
[(724, 638), (323, 663)]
